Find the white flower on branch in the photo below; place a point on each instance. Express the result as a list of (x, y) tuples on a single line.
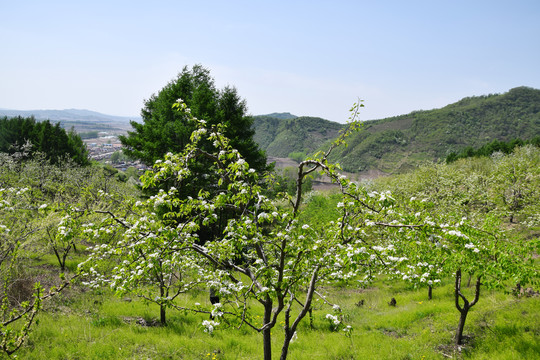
[(209, 326)]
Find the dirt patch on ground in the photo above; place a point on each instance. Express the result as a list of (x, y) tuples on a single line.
[(393, 333), (323, 183), (369, 174), (282, 162), (141, 321), (364, 175)]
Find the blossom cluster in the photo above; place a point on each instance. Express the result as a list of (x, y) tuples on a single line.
[(209, 326)]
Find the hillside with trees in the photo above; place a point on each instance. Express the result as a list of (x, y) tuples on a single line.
[(496, 146), (282, 134), (111, 273), (397, 144), (53, 141), (202, 258)]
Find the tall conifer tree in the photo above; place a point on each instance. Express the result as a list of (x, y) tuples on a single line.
[(164, 130)]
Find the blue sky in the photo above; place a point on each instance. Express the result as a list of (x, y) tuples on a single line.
[(305, 57)]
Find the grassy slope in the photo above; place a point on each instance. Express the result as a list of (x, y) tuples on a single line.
[(94, 325), (83, 324)]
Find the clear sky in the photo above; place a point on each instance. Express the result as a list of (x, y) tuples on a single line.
[(305, 57)]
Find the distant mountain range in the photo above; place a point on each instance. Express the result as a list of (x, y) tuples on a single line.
[(390, 145), (81, 120)]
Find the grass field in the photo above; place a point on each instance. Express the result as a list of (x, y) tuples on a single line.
[(83, 324)]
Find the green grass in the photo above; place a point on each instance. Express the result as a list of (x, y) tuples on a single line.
[(90, 325)]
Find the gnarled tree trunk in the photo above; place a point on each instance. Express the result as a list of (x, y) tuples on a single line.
[(463, 310)]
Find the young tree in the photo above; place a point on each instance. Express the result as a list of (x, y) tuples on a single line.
[(62, 228), (17, 316), (486, 191), (146, 260), (277, 256), (265, 254), (498, 259), (42, 206), (485, 251)]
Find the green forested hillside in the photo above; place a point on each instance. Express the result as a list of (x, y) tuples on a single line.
[(279, 136), (396, 144)]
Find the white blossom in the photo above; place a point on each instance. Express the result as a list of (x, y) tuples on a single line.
[(333, 318), (209, 326)]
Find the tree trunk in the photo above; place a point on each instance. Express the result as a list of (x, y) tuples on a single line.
[(162, 317), (289, 331), (466, 305), (461, 325), (430, 292), (285, 348), (62, 264), (64, 258), (267, 338), (162, 308)]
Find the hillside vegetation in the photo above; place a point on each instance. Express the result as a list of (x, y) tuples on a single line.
[(55, 143), (281, 135), (491, 148), (90, 323), (317, 275), (397, 144)]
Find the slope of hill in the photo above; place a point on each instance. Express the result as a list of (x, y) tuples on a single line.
[(81, 120), (400, 143), (281, 136)]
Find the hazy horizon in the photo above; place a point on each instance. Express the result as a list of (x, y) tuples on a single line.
[(270, 113)]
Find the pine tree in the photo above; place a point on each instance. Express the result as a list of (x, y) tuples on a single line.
[(164, 130)]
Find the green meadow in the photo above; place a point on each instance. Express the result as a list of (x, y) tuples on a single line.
[(83, 324)]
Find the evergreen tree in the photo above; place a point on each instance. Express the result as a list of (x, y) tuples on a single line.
[(167, 130), (51, 140), (164, 130)]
